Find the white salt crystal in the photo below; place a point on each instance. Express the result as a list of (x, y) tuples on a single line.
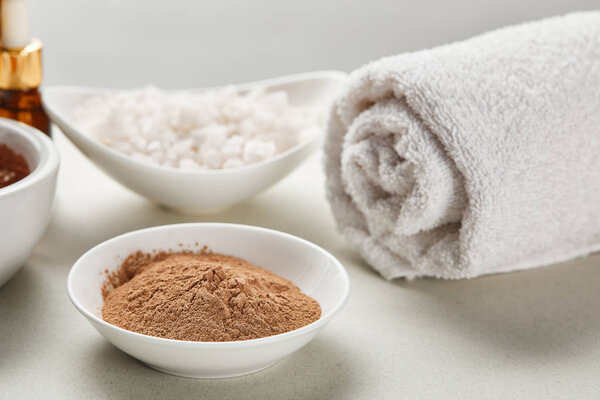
[(214, 129), (233, 163), (256, 150), (188, 163)]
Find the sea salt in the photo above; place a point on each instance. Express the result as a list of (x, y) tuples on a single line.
[(216, 129)]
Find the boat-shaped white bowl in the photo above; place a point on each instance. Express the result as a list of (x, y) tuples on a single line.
[(198, 191), (315, 271)]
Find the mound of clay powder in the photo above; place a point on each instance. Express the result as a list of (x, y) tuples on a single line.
[(203, 297)]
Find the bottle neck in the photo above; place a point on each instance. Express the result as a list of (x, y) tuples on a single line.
[(29, 99)]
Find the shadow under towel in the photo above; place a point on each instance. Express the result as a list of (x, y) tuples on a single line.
[(472, 158)]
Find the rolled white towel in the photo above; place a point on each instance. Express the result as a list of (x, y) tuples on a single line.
[(473, 158)]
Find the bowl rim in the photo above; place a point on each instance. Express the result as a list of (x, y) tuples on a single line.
[(322, 321), (61, 121), (48, 158)]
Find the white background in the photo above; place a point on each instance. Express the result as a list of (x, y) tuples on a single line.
[(191, 43)]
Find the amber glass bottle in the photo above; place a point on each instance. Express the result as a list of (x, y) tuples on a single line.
[(24, 106), (20, 77)]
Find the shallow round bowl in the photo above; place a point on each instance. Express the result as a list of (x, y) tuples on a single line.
[(26, 205), (205, 190), (315, 271)]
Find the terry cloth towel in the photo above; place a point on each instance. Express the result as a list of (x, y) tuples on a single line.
[(473, 158)]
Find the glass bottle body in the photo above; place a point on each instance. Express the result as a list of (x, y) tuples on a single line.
[(25, 106)]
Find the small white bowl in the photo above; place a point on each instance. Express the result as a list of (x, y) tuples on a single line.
[(199, 191), (26, 205), (315, 271)]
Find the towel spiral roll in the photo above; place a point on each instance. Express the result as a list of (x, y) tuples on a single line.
[(472, 158)]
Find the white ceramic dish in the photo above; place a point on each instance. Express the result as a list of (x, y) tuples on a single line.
[(199, 191), (25, 206), (311, 268)]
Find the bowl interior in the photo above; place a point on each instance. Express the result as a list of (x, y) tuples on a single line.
[(18, 138), (311, 268)]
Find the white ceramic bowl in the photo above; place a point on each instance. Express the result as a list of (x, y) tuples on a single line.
[(199, 191), (25, 206), (315, 271)]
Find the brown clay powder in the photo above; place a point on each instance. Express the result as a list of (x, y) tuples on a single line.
[(203, 297)]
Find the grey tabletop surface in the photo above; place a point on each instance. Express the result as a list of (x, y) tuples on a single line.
[(532, 334)]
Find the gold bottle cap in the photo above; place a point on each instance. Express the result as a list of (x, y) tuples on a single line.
[(21, 69)]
